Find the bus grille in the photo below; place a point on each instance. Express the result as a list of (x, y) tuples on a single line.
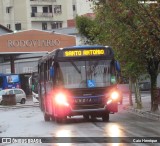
[(95, 106)]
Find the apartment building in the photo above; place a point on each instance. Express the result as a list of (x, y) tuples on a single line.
[(42, 14)]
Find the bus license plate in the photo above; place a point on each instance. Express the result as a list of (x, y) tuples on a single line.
[(87, 100)]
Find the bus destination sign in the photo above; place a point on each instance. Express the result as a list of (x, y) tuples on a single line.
[(84, 52)]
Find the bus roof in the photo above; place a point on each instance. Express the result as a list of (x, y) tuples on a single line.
[(85, 46)]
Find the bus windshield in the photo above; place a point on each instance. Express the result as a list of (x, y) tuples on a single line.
[(84, 74)]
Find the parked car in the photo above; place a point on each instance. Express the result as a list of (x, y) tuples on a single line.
[(145, 86), (19, 93)]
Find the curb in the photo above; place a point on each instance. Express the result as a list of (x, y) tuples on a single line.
[(146, 114), (17, 106)]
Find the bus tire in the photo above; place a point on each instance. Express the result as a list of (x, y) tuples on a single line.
[(105, 117), (46, 117), (60, 120), (23, 101), (52, 118)]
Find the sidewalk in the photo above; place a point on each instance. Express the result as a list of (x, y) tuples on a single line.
[(146, 107)]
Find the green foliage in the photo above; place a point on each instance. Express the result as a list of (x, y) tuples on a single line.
[(132, 29), (86, 28)]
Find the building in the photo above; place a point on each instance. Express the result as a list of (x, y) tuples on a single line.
[(20, 51), (29, 45), (41, 14)]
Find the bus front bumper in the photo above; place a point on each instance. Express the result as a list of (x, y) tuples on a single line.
[(64, 111)]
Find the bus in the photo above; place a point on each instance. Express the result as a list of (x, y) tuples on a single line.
[(33, 84), (9, 81), (78, 80)]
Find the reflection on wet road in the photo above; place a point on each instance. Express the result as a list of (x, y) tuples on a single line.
[(30, 123)]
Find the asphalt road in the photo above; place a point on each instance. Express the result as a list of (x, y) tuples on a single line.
[(28, 122)]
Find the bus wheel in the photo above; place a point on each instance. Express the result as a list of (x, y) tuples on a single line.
[(46, 117), (105, 117), (2, 102), (60, 120), (86, 117), (23, 101), (52, 118)]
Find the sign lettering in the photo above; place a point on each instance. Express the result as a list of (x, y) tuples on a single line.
[(78, 53), (32, 43)]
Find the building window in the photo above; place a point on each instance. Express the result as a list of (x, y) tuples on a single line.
[(8, 9), (8, 26), (57, 9), (74, 7), (56, 25), (44, 26), (34, 10), (45, 9), (27, 69), (18, 26), (50, 9), (60, 25)]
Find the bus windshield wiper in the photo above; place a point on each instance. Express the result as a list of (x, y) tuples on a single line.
[(93, 68), (75, 66)]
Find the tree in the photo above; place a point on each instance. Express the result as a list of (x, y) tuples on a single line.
[(133, 29)]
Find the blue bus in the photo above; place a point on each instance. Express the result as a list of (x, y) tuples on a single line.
[(79, 80), (9, 81)]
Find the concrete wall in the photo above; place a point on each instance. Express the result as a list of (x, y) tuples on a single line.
[(83, 7)]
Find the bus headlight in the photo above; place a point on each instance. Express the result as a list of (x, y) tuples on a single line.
[(61, 99), (114, 95)]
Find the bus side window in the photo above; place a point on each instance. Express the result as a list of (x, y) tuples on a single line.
[(113, 72), (118, 71), (42, 72), (51, 69), (1, 82), (45, 72), (112, 68), (59, 76)]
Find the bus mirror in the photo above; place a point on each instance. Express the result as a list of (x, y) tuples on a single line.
[(51, 71), (117, 65)]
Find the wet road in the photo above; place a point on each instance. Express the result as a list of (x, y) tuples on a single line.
[(28, 122)]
